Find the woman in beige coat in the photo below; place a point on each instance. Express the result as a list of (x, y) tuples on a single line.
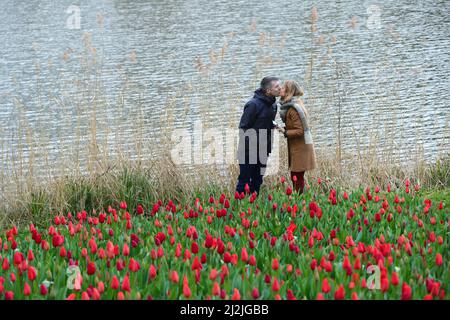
[(301, 152)]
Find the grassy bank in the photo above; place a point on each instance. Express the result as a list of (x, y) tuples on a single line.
[(161, 180)]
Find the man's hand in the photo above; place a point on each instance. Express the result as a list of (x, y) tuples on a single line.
[(280, 129)]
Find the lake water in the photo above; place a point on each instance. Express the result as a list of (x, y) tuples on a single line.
[(126, 67)]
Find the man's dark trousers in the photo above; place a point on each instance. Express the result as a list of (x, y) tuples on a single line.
[(252, 174)]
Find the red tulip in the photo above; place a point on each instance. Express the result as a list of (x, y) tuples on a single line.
[(275, 285), (363, 283), (62, 252), (244, 255), (377, 217), (340, 293), (101, 287), (152, 272), (126, 250), (331, 256), (5, 264), (227, 257), (292, 227), (213, 274), (406, 291), (350, 215), (9, 295), (115, 283), (57, 240), (174, 277), (275, 264), (160, 252), (255, 293), (216, 289), (384, 284), (313, 264), (43, 290), (31, 273), (85, 296), (126, 283), (438, 259), (95, 294), (196, 265), (134, 240), (134, 266), (435, 288), (357, 264), (311, 242), (288, 191), (26, 290), (234, 258), (120, 264), (186, 289), (18, 258), (71, 296), (252, 260), (30, 255), (194, 247), (290, 295), (346, 263), (91, 268), (236, 295), (209, 240), (325, 286)]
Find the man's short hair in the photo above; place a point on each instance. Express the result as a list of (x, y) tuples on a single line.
[(266, 82)]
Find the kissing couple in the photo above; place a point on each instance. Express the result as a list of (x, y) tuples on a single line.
[(257, 126)]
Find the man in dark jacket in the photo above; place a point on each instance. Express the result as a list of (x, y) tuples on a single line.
[(255, 134)]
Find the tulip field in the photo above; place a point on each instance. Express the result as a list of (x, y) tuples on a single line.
[(368, 243)]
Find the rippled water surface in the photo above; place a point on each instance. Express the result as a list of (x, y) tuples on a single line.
[(382, 68)]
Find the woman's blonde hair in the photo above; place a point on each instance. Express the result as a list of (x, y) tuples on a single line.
[(292, 89)]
